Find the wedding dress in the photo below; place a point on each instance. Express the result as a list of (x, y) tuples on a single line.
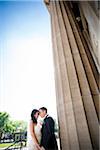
[(30, 142)]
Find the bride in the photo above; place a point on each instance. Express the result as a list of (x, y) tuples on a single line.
[(34, 133)]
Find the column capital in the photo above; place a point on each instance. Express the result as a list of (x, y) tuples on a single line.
[(47, 3)]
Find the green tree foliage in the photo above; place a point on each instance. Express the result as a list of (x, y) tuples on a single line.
[(4, 117), (20, 125), (15, 126), (10, 126)]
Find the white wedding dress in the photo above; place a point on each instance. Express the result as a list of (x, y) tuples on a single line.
[(30, 142)]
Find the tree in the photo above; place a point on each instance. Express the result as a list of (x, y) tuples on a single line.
[(20, 125), (10, 126), (15, 126), (4, 116)]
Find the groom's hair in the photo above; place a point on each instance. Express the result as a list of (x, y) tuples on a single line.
[(44, 109)]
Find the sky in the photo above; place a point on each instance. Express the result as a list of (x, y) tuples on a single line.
[(26, 59)]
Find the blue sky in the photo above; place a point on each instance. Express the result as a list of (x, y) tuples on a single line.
[(20, 19), (23, 19), (27, 73), (24, 15)]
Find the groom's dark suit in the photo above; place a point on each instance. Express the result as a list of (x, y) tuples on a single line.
[(48, 140)]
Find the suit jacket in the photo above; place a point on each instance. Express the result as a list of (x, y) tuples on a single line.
[(48, 139)]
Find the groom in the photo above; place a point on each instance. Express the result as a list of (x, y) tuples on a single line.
[(48, 140)]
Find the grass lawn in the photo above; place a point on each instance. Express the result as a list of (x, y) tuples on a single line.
[(5, 145)]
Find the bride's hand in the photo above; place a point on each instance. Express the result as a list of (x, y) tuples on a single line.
[(38, 147), (42, 148)]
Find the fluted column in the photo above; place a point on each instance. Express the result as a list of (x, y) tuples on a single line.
[(86, 79), (76, 88), (69, 121)]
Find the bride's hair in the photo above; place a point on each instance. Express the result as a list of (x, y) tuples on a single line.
[(34, 111)]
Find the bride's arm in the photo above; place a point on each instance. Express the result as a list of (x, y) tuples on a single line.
[(33, 134)]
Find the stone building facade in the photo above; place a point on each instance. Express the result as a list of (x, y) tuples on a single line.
[(75, 39)]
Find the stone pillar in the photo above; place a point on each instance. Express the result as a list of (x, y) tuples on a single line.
[(76, 88), (94, 26)]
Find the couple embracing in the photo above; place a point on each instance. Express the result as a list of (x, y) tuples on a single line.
[(41, 131)]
